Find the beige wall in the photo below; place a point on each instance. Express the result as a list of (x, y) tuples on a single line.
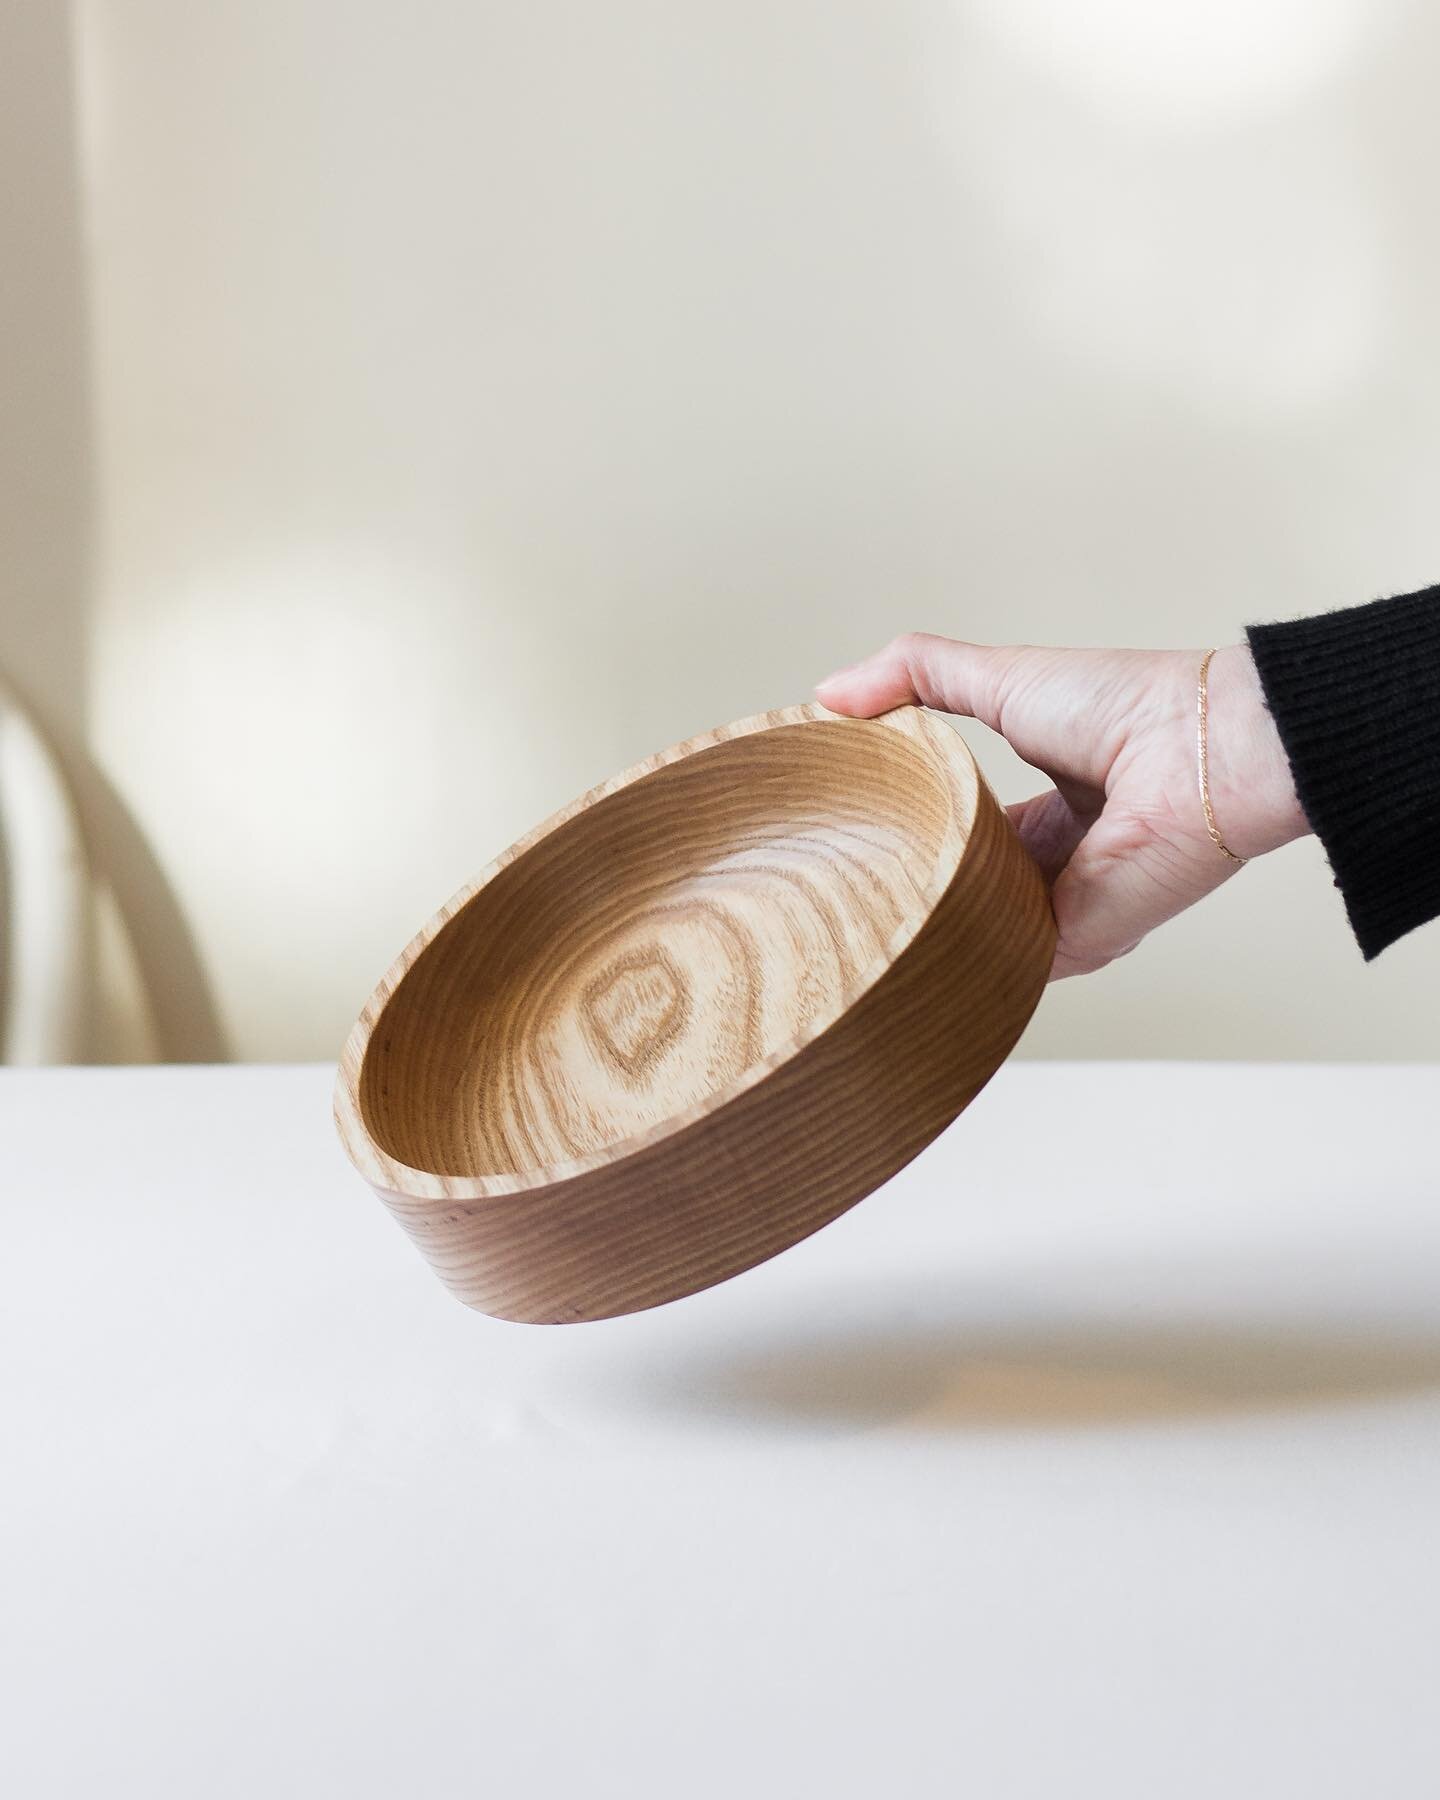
[(413, 413)]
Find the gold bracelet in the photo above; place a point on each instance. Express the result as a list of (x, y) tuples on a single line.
[(1202, 709)]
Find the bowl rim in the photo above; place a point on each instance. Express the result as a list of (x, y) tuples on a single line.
[(954, 762)]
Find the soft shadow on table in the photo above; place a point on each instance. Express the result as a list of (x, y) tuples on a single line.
[(950, 1373)]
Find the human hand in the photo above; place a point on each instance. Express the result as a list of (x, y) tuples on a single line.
[(1121, 836)]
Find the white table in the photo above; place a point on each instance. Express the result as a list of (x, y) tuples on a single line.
[(1099, 1454)]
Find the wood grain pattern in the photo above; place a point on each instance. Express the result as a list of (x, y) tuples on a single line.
[(698, 1014)]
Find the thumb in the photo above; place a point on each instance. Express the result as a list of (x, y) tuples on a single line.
[(1055, 708), (922, 669)]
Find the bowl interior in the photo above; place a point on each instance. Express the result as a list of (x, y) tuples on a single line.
[(641, 956)]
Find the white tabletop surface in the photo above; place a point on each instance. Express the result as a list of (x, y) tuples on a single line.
[(1098, 1454)]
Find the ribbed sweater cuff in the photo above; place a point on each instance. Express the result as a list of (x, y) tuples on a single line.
[(1356, 698)]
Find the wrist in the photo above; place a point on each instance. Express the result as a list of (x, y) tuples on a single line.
[(1252, 791)]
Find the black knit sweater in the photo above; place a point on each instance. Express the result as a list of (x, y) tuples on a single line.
[(1356, 698)]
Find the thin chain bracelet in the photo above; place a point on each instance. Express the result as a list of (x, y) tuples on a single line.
[(1202, 711)]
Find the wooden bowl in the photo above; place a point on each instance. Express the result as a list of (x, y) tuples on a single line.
[(698, 1014)]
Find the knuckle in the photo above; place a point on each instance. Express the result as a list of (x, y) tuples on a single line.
[(911, 645)]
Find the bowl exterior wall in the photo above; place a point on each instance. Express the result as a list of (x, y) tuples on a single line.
[(788, 1154)]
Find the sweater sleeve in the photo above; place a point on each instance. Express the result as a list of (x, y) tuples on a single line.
[(1355, 696)]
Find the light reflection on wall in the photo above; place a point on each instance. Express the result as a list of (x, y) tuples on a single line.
[(278, 729), (1186, 62), (1230, 264)]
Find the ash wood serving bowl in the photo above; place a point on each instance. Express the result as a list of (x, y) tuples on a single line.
[(698, 1014)]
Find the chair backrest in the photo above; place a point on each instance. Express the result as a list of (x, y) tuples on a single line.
[(44, 900)]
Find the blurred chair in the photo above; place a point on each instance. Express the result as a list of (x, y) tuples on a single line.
[(44, 900)]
